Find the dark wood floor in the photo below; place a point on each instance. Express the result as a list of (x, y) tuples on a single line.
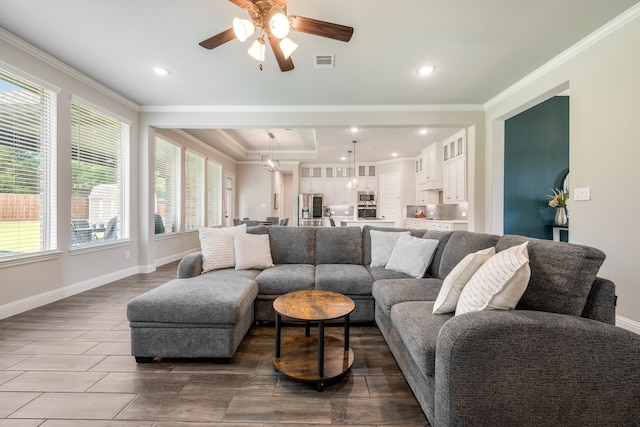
[(69, 364)]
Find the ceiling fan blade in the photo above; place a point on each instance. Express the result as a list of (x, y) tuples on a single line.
[(321, 28), (245, 4), (285, 64), (218, 39)]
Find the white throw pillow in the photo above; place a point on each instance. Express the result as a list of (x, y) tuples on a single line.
[(499, 283), (412, 255), (458, 278), (252, 251), (382, 244), (217, 246)]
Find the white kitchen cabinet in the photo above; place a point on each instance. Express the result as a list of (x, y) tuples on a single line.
[(432, 172), (367, 184), (415, 224), (336, 192), (366, 169), (455, 181), (454, 169), (439, 225), (454, 147), (312, 185), (311, 171)]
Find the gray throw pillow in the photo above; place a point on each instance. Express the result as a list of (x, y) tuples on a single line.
[(412, 255), (382, 244)]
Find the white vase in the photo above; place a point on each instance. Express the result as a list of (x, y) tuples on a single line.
[(561, 216)]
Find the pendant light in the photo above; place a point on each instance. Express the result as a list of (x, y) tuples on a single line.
[(269, 162), (352, 183)]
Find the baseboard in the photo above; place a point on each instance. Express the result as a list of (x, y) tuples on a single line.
[(35, 301), (628, 324)]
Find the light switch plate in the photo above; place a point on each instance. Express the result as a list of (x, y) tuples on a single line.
[(582, 193)]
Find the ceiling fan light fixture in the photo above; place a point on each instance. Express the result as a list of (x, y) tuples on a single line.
[(243, 28), (257, 50), (279, 25), (288, 47)]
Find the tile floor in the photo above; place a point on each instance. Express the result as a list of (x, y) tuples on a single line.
[(68, 364)]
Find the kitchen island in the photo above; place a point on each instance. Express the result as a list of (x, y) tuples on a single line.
[(361, 222)]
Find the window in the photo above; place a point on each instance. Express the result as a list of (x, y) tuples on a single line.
[(99, 176), (167, 186), (27, 167), (214, 187), (193, 191)]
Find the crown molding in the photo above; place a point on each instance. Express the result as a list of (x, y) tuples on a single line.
[(307, 108)]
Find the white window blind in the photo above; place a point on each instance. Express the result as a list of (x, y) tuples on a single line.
[(193, 191), (166, 186), (214, 192), (99, 176), (27, 167)]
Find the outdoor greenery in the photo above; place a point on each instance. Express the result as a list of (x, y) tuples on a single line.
[(17, 171)]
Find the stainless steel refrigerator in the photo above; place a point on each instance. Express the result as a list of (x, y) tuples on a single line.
[(310, 209)]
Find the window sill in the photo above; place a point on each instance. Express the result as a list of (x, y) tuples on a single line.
[(28, 259), (95, 247)]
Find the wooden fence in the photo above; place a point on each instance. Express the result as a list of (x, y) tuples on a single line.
[(26, 207)]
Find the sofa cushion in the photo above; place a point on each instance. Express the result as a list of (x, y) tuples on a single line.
[(347, 279), (366, 239), (418, 328), (252, 251), (198, 300), (382, 244), (460, 244), (217, 246), (412, 255), (561, 274), (499, 283), (338, 245), (443, 237), (285, 278), (292, 245), (456, 280), (231, 274), (381, 273), (389, 292)]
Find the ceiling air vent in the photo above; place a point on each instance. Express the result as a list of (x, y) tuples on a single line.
[(323, 61)]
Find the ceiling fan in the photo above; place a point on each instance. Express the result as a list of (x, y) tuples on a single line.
[(271, 17)]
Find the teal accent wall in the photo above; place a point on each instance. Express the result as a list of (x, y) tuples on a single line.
[(536, 159)]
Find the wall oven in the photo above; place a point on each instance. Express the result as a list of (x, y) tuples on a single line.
[(367, 211)]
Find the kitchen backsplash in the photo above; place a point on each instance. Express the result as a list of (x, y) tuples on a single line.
[(457, 211)]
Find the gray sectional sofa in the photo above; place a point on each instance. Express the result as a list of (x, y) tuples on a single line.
[(557, 359)]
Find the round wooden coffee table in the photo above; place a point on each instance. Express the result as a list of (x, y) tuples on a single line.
[(310, 357)]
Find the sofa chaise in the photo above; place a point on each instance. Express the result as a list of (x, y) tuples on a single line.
[(556, 359)]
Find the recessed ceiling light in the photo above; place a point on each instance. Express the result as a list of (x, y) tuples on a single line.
[(424, 131), (426, 70), (354, 129), (343, 158), (160, 71), (394, 154)]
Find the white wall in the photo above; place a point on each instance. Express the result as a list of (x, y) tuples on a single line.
[(254, 194), (25, 286), (602, 75)]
